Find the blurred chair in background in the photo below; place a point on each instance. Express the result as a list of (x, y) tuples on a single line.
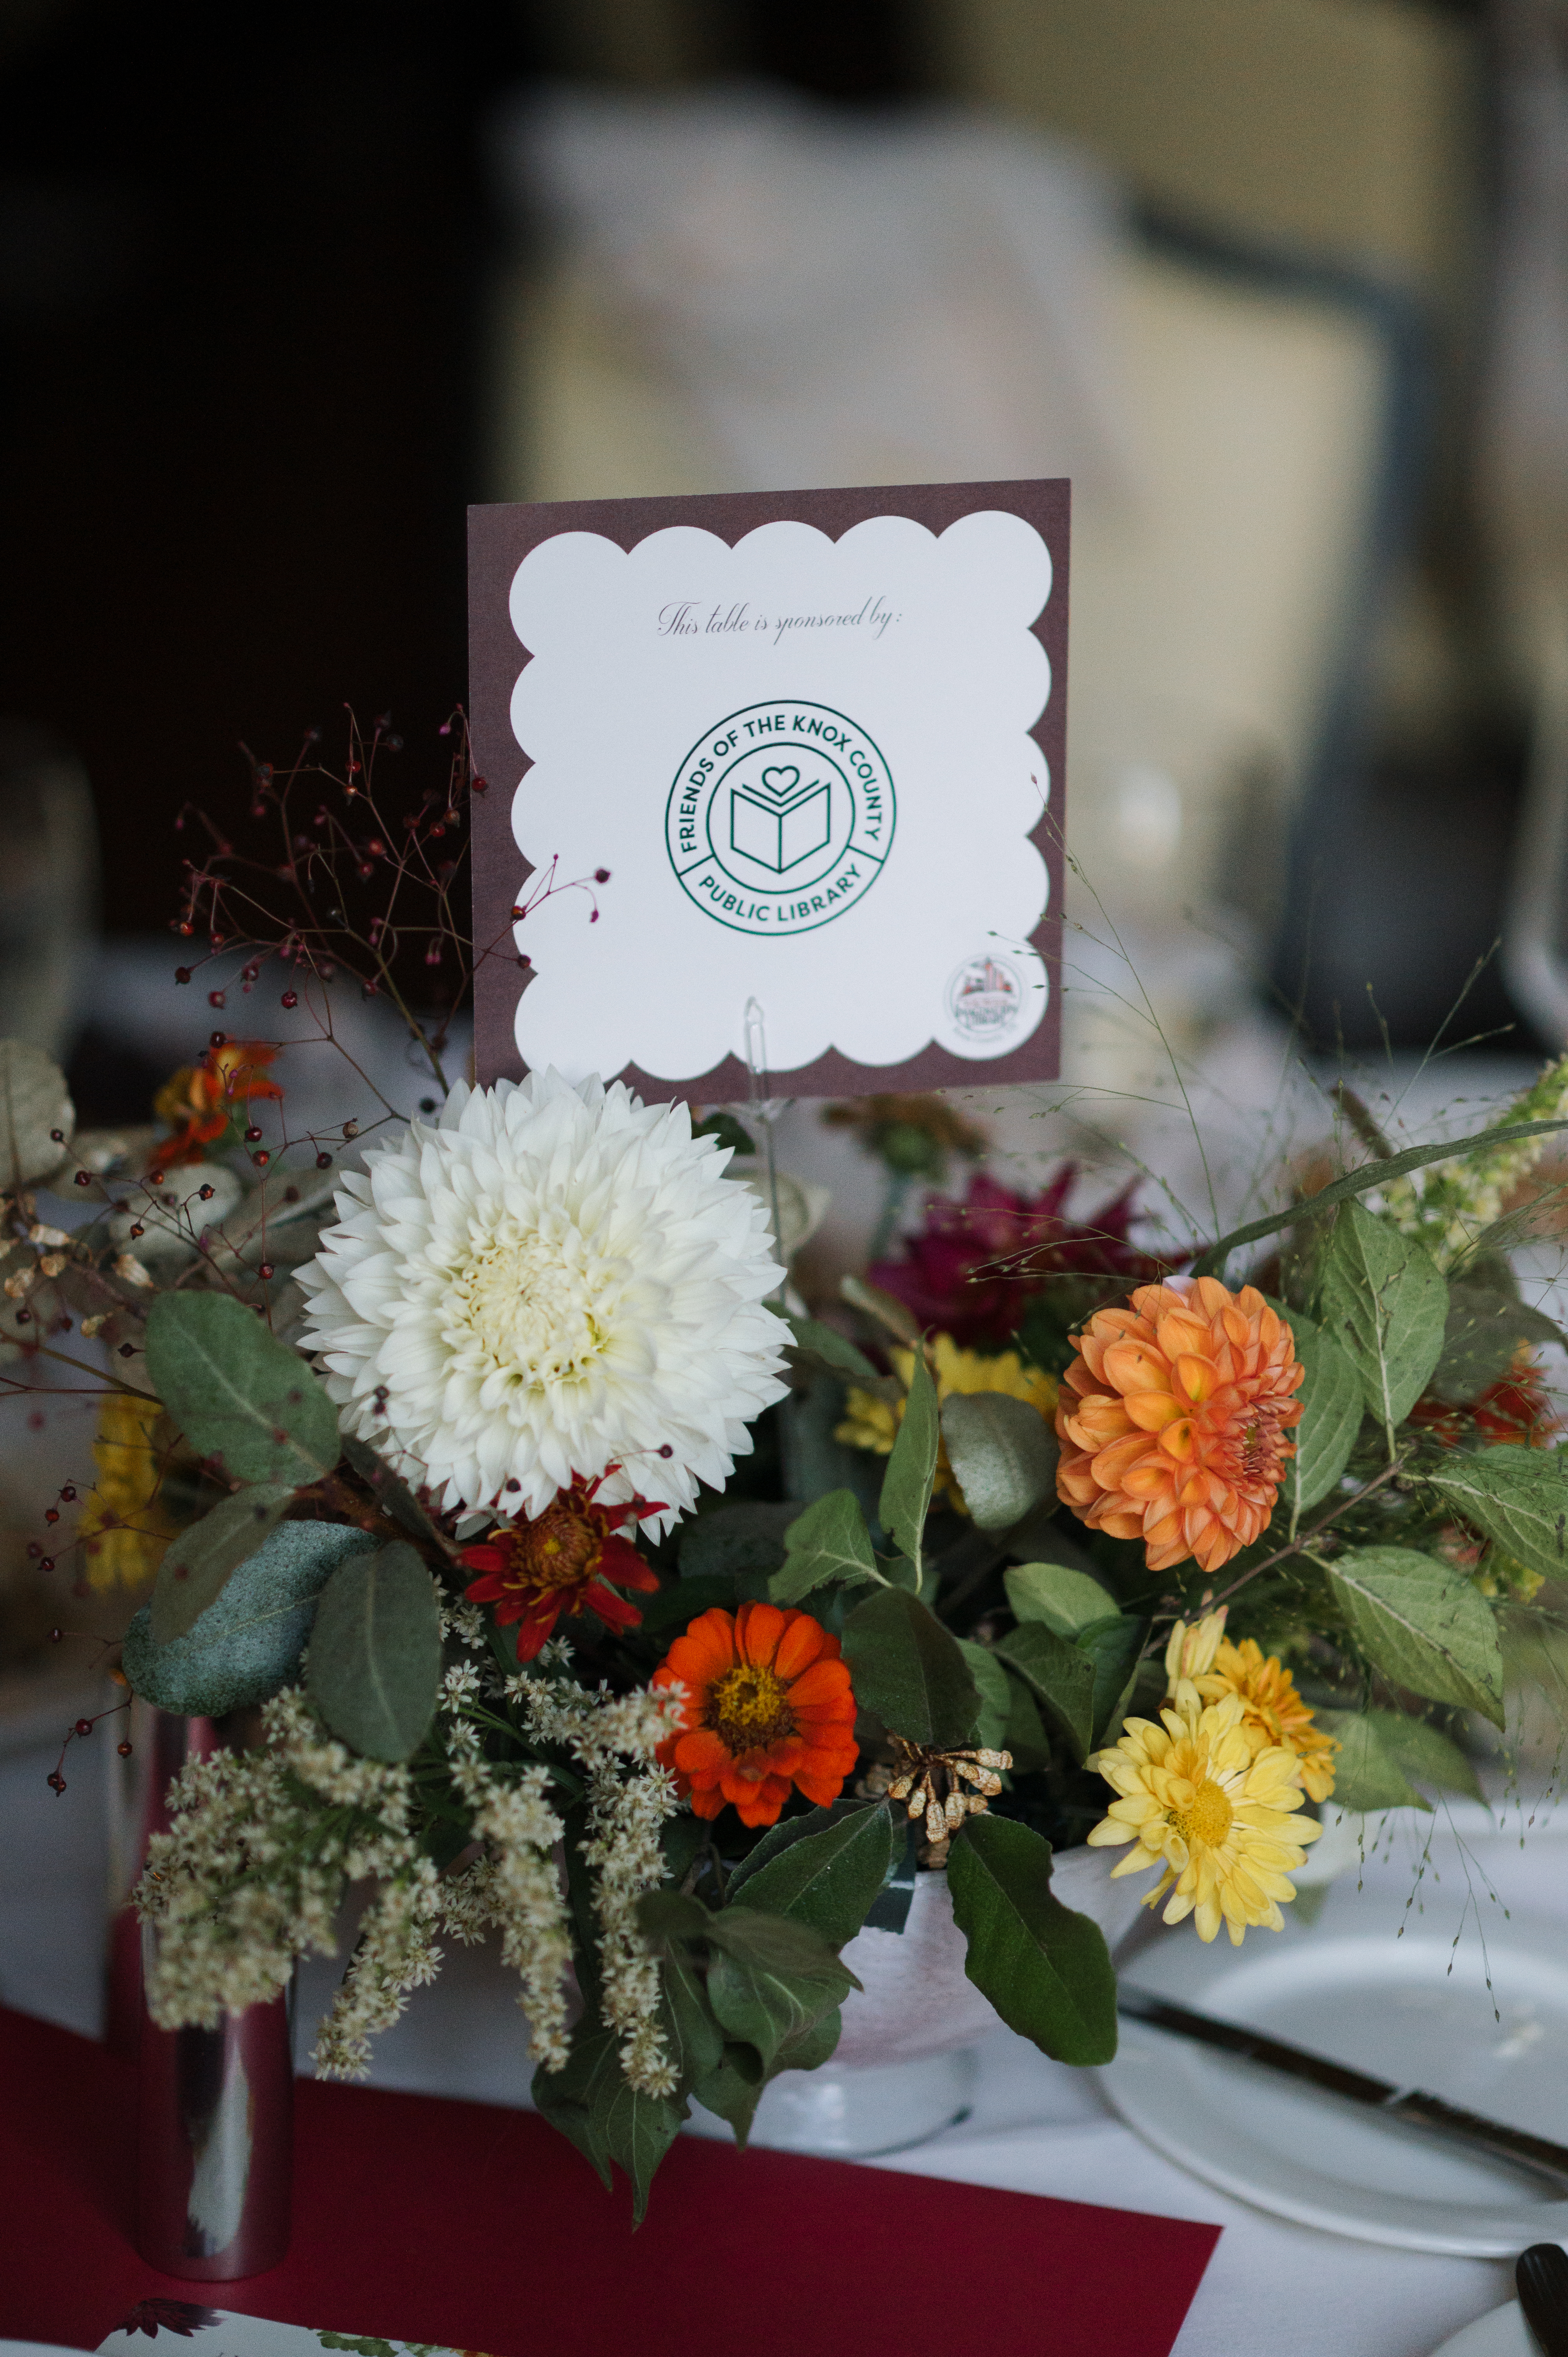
[(49, 889)]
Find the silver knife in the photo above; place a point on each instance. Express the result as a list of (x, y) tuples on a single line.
[(1409, 2104), (1542, 2275)]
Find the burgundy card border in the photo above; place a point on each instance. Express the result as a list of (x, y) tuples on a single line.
[(499, 537)]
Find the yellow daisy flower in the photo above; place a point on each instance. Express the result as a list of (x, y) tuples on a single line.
[(1194, 1799), (1272, 1711), (873, 1424)]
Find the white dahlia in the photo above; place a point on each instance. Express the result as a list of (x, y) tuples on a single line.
[(550, 1281)]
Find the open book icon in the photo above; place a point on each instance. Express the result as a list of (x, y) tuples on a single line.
[(780, 822)]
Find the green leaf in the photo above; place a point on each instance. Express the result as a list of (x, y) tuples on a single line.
[(1361, 1182), (1385, 1303), (1424, 1624), (734, 2089), (695, 2041), (248, 1641), (736, 1543), (1332, 1409), (1063, 1600), (666, 1915), (238, 1394), (911, 1469), (375, 1654), (771, 1979), (1060, 1672), (1488, 1325), (678, 1605), (1045, 1969), (34, 1103), (1027, 1739), (832, 1350), (829, 1541), (909, 1670), (1113, 1645), (829, 1877), (197, 1566), (1382, 1752), (1518, 1497), (995, 1695), (1368, 1775), (591, 2101), (1003, 1454)]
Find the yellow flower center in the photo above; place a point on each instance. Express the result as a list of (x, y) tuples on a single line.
[(530, 1308), (749, 1708), (1208, 1819)]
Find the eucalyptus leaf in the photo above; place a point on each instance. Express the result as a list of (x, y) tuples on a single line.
[(392, 1492), (1518, 1497), (911, 1467), (239, 1395), (1047, 1970), (909, 1670), (1331, 1411), (1060, 1673), (828, 1879), (248, 1641), (1385, 1303), (1063, 1600), (375, 1654), (1424, 1624), (995, 1696), (34, 1103), (1002, 1453), (198, 1564), (832, 1350), (829, 1541)]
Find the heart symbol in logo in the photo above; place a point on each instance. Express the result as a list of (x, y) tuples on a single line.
[(780, 782)]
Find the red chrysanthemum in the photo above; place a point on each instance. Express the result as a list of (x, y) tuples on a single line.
[(973, 1265), (570, 1558), (767, 1704)]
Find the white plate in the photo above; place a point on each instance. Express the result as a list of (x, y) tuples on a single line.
[(36, 2349), (1501, 2332), (1416, 2010)]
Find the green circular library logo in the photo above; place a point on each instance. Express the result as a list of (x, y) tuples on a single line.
[(780, 818)]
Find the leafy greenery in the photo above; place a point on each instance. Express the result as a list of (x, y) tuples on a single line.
[(242, 1398), (1386, 1305), (197, 1566), (1003, 1455), (1518, 1497), (911, 1467), (375, 1654), (829, 1541), (248, 1641), (909, 1670), (1424, 1624), (1045, 1968)]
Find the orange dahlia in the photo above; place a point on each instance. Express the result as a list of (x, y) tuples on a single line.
[(1172, 1420), (570, 1558), (767, 1704)]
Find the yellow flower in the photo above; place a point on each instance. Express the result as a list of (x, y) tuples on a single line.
[(123, 1529), (1272, 1711), (1192, 1648), (872, 1423), (1193, 1798)]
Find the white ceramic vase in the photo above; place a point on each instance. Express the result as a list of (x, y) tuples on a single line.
[(903, 2068)]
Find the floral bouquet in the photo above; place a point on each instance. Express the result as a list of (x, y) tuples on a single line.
[(1039, 1542)]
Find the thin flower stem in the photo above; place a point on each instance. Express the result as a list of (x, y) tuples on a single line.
[(1300, 1547)]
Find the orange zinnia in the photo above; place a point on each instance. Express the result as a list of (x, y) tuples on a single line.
[(1172, 1420), (767, 1704)]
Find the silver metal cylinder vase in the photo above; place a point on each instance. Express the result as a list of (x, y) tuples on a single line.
[(215, 2107)]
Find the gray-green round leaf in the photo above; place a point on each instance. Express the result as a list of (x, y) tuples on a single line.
[(237, 1392), (248, 1641), (1002, 1453)]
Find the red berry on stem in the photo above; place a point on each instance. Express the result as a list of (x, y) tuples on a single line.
[(123, 1749), (84, 1727), (289, 999), (215, 998)]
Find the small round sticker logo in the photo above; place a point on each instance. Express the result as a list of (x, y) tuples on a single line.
[(985, 998), (780, 818)]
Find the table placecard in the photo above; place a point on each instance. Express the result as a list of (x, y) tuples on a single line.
[(773, 788)]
